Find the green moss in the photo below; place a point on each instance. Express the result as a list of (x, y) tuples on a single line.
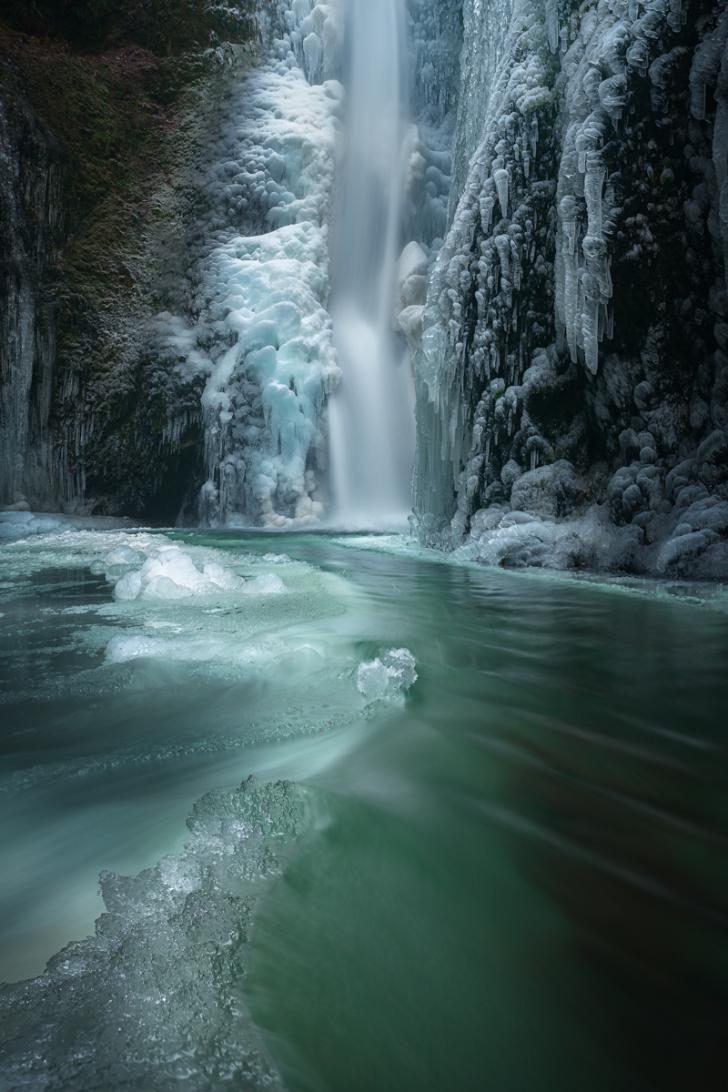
[(130, 125)]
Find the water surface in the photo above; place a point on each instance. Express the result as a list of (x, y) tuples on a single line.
[(517, 875)]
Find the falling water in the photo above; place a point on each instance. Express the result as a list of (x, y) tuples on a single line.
[(372, 414)]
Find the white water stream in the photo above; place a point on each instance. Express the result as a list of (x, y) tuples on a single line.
[(372, 414)]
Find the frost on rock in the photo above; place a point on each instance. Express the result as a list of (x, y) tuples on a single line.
[(573, 362), (387, 677), (256, 329), (154, 998), (479, 324)]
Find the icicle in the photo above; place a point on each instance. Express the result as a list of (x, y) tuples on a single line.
[(571, 289), (613, 95), (675, 16), (501, 179), (567, 215), (596, 173), (638, 56), (589, 321), (552, 24)]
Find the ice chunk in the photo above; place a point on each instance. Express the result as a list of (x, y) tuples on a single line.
[(387, 677), (126, 647), (165, 971), (172, 574)]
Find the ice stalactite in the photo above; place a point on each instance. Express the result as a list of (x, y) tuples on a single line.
[(597, 58), (568, 370), (435, 40), (436, 35), (485, 29), (479, 326)]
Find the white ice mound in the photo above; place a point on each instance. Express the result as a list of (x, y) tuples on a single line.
[(172, 574), (388, 676), (267, 584)]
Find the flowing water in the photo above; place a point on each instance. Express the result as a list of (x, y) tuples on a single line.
[(512, 875), (371, 418)]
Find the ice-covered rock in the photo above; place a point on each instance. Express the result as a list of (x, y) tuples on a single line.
[(558, 330), (549, 491)]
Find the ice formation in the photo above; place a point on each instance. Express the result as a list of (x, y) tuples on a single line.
[(172, 574), (287, 438), (174, 941), (571, 373), (526, 205), (387, 677), (225, 615), (259, 332)]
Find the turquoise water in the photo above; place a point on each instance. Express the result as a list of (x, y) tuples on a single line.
[(512, 875)]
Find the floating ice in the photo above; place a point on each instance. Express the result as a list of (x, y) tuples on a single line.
[(172, 574), (154, 998), (387, 677), (21, 524)]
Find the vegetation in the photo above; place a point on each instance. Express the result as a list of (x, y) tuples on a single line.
[(126, 94), (165, 27)]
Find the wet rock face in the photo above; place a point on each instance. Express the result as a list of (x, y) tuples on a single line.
[(578, 311), (31, 230), (97, 161)]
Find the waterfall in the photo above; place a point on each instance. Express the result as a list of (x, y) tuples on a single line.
[(371, 416)]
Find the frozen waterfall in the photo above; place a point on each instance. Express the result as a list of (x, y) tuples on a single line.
[(371, 416)]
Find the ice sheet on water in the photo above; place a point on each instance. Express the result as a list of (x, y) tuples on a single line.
[(387, 677), (228, 614), (155, 998), (16, 525)]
